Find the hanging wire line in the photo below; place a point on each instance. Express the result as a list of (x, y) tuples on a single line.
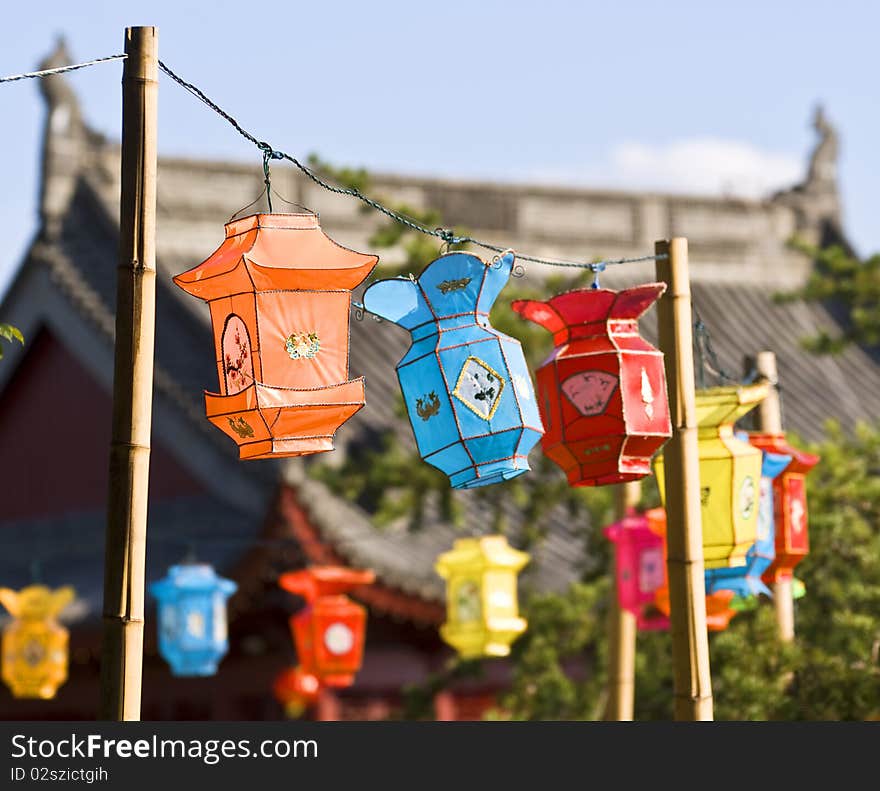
[(445, 234), (61, 69), (706, 357)]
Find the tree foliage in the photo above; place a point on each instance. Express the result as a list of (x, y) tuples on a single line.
[(10, 333), (847, 283)]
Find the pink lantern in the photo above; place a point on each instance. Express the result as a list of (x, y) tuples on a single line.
[(640, 568)]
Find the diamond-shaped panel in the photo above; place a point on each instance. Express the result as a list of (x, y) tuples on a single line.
[(590, 391), (479, 387)]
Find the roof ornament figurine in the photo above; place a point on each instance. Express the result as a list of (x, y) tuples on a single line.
[(602, 391), (279, 291), (466, 385)]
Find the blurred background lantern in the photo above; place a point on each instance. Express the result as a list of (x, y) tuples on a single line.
[(34, 644), (790, 505), (465, 385), (602, 391), (296, 690), (192, 618), (482, 610), (719, 605), (730, 472), (745, 580), (279, 292), (640, 568), (329, 632)]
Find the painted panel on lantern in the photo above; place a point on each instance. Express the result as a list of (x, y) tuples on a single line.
[(499, 587), (796, 494), (303, 343)]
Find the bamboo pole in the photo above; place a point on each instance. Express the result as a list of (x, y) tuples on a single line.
[(684, 541), (769, 416), (622, 628), (125, 547)]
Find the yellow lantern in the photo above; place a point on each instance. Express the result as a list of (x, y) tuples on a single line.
[(34, 644), (482, 613), (730, 474)]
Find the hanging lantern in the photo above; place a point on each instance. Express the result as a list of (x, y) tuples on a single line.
[(790, 505), (640, 568), (296, 690), (482, 613), (745, 580), (603, 389), (279, 291), (730, 472), (192, 618), (34, 644), (719, 605), (329, 631), (466, 386)]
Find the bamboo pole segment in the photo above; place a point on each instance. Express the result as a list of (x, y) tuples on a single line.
[(684, 540), (769, 417), (622, 628), (125, 547)]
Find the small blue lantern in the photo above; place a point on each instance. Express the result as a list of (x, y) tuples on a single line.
[(746, 580), (466, 385), (192, 618)]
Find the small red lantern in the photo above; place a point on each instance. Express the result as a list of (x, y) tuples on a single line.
[(329, 631), (602, 392), (296, 689), (790, 506)]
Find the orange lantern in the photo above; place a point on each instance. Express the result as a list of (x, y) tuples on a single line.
[(718, 605), (279, 291), (296, 690), (790, 506), (329, 631)]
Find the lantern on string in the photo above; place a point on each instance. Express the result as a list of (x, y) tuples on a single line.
[(329, 631), (746, 580), (792, 542), (192, 618), (296, 690), (640, 568), (465, 384), (602, 391), (719, 605), (730, 472), (482, 611), (279, 292), (34, 644)]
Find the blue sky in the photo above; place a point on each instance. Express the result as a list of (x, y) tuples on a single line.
[(684, 96)]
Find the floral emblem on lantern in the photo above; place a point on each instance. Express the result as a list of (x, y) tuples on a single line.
[(453, 285), (237, 366), (479, 387), (428, 406), (302, 345), (33, 653)]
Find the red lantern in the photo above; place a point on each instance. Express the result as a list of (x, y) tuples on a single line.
[(329, 631), (602, 392), (790, 506), (296, 689), (279, 291)]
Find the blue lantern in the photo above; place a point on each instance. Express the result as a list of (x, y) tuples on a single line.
[(192, 618), (467, 389), (745, 580)]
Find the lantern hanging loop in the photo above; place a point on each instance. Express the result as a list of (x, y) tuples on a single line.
[(596, 269), (707, 358)]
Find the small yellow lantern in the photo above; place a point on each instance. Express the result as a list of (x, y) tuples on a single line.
[(34, 644), (730, 474), (482, 614)]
